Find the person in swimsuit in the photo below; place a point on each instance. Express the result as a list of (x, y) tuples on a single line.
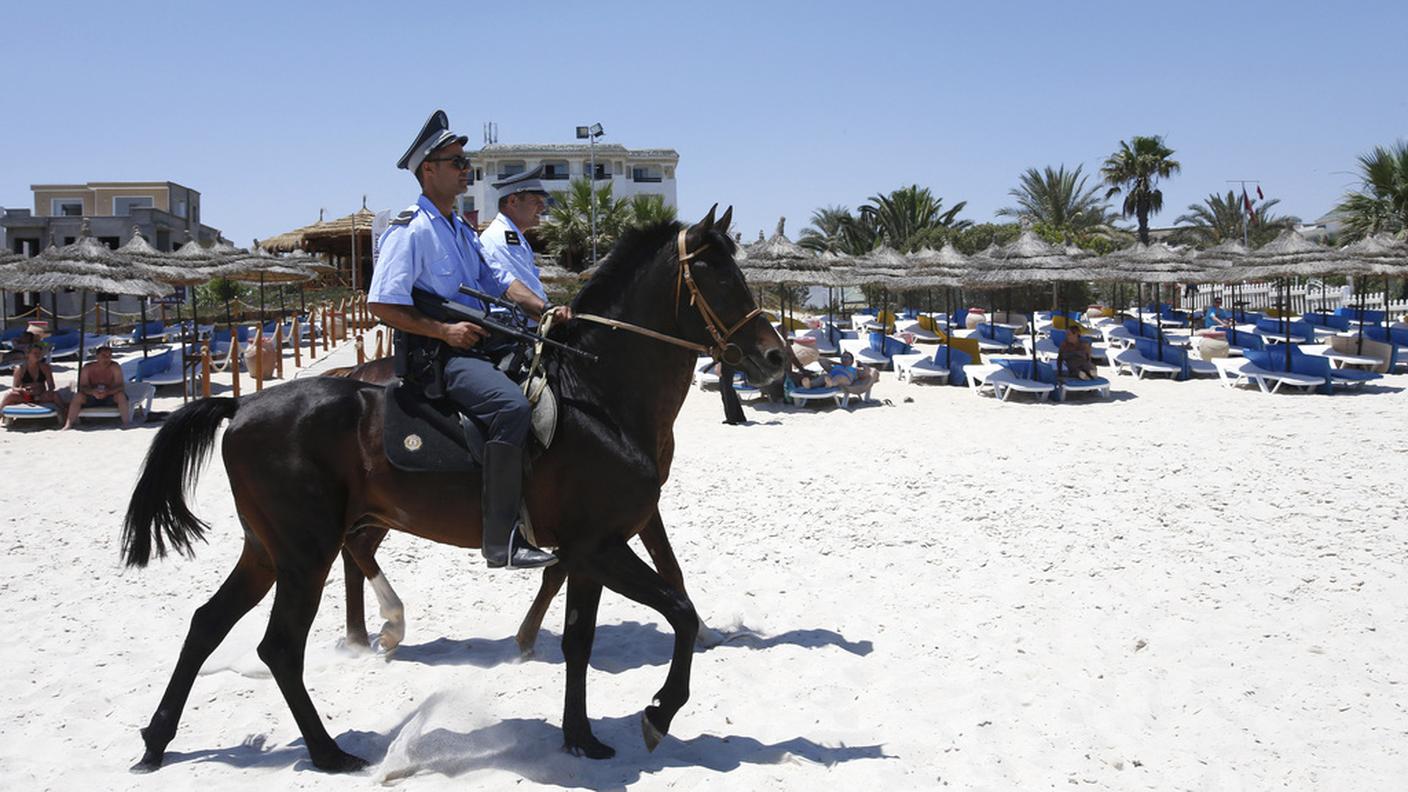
[(33, 382), (100, 385)]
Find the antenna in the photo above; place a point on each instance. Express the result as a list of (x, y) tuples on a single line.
[(491, 132)]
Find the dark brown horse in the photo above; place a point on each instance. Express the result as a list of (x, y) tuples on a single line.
[(306, 468), (359, 564)]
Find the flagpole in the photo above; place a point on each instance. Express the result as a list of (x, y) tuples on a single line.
[(1246, 208)]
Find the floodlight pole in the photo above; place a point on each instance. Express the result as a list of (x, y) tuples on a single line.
[(591, 133)]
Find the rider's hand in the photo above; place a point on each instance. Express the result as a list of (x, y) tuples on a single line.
[(463, 335), (559, 313)]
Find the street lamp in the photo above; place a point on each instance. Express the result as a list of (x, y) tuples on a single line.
[(591, 133)]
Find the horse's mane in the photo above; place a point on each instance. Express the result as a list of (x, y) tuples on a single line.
[(636, 247)]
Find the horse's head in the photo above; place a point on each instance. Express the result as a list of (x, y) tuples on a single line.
[(715, 306)]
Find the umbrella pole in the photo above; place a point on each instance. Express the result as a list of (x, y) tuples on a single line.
[(185, 393), (144, 327), (261, 300), (948, 330), (4, 310), (1285, 296), (54, 302), (1359, 314), (1158, 317), (82, 336), (303, 305)]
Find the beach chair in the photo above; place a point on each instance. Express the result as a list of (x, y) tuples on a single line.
[(163, 369), (994, 338), (1274, 330), (1266, 368), (1017, 376), (151, 331), (704, 375), (800, 396), (139, 402), (29, 412), (1136, 360), (13, 332), (63, 345), (916, 366)]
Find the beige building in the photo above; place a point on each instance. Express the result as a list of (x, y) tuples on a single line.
[(167, 213)]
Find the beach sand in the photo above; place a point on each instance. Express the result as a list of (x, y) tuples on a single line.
[(1186, 587)]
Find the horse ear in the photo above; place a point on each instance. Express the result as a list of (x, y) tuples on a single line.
[(722, 225), (707, 224)]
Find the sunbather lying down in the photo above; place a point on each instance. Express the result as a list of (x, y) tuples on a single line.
[(837, 376)]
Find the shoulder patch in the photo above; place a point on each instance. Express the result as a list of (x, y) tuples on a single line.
[(511, 237), (404, 218)]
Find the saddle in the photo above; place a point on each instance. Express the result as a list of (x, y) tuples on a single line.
[(430, 435)]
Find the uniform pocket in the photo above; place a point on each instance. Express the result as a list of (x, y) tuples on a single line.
[(443, 267)]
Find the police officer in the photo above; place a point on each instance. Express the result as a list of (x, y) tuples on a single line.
[(522, 201), (430, 247)]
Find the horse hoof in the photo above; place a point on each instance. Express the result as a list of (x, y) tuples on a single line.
[(648, 730), (588, 746), (708, 637), (151, 761), (340, 762)]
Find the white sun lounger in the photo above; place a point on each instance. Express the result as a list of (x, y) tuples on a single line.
[(919, 366), (1130, 360), (1239, 371), (139, 401), (1004, 383)]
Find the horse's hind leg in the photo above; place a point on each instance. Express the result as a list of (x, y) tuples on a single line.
[(295, 604), (359, 564), (246, 585), (553, 578), (583, 596)]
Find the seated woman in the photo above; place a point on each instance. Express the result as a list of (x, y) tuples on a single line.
[(100, 385), (33, 382), (1074, 356), (836, 376)]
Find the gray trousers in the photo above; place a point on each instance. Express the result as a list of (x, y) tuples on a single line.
[(489, 396)]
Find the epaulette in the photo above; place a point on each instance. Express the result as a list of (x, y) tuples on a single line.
[(405, 217)]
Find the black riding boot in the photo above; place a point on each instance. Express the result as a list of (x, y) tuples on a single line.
[(503, 488)]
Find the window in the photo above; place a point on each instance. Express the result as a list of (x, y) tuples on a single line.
[(646, 173), (507, 169), (111, 242), (179, 209), (123, 205), (600, 170), (555, 170), (66, 207)]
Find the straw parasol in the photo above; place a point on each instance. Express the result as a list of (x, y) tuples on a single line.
[(1380, 254), (779, 261), (1291, 254), (1157, 263), (86, 265)]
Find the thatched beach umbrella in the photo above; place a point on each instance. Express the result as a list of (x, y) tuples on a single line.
[(780, 261), (1156, 263), (1026, 261), (1291, 254), (1380, 254), (87, 266)]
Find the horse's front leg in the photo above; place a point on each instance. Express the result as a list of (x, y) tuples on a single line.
[(663, 556), (618, 568), (583, 595)]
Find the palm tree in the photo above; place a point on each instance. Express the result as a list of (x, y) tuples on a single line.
[(911, 218), (1136, 170), (1381, 204), (1060, 200), (1219, 218), (835, 230), (647, 209), (567, 229)]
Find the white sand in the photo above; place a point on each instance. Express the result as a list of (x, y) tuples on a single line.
[(1185, 588)]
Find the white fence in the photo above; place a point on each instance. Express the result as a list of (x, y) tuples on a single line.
[(1302, 296)]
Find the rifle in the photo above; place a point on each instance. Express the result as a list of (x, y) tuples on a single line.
[(443, 310)]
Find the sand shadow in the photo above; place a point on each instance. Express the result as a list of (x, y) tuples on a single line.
[(532, 749), (617, 648)]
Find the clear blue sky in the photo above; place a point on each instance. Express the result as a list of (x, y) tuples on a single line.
[(274, 110)]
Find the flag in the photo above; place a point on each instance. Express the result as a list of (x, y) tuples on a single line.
[(1259, 196), (1247, 202)]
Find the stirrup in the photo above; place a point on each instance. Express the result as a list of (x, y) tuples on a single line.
[(519, 554)]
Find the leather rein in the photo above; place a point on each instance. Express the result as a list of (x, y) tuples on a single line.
[(722, 349)]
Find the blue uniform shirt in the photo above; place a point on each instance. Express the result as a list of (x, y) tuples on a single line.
[(509, 255), (431, 252), (1213, 317)]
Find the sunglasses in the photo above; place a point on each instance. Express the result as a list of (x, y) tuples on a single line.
[(459, 161)]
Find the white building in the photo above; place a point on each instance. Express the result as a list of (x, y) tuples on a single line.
[(630, 171)]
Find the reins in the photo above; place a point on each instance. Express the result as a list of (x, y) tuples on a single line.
[(722, 350)]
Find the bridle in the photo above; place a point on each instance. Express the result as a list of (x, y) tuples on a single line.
[(723, 349)]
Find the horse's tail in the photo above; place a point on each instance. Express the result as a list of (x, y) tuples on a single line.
[(158, 511)]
